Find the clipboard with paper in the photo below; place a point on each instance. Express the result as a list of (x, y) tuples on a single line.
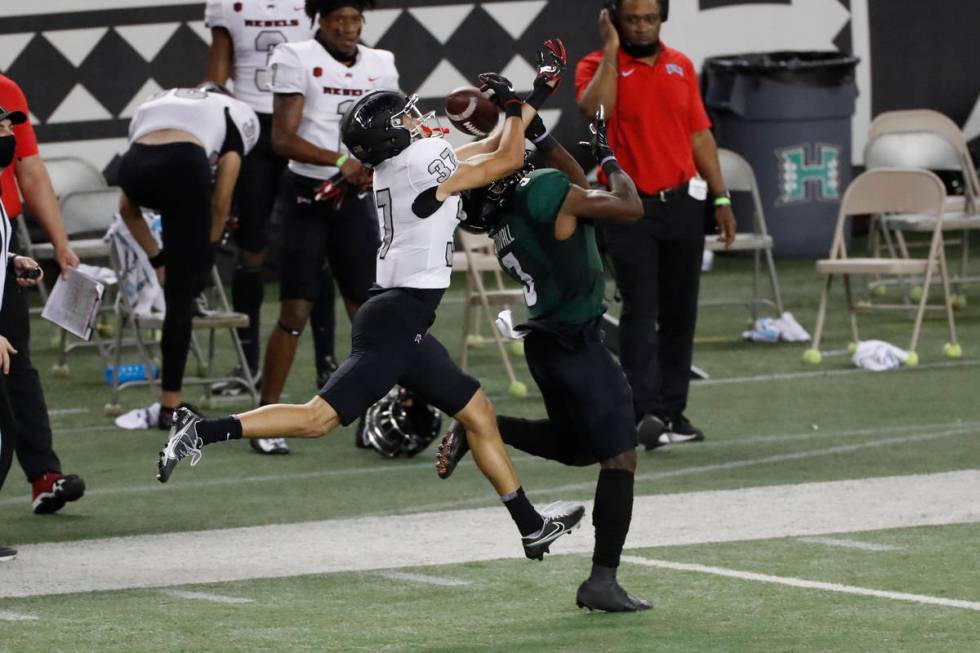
[(74, 303)]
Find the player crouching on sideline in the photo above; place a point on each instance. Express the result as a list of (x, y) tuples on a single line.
[(417, 182), (177, 139), (541, 222)]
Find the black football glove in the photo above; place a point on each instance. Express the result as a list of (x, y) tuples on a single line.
[(552, 60), (500, 89), (599, 143)]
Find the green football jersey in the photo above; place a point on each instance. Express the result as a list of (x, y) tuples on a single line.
[(563, 279)]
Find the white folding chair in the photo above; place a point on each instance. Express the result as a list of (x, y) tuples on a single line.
[(476, 259), (739, 177), (889, 191)]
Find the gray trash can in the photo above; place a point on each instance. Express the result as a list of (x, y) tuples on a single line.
[(789, 115)]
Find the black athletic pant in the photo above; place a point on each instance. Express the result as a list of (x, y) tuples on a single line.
[(657, 262), (175, 179), (29, 434), (6, 432)]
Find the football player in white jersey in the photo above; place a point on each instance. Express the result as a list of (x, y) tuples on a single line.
[(416, 186), (177, 139), (243, 35), (315, 82)]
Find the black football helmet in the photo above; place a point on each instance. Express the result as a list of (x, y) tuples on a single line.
[(375, 129), (483, 205), (401, 424)]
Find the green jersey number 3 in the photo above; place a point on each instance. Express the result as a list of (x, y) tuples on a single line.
[(530, 293)]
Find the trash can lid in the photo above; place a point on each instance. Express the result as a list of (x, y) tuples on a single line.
[(812, 67)]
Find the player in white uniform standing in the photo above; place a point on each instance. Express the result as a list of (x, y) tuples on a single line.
[(177, 139), (314, 83), (243, 35), (416, 185)]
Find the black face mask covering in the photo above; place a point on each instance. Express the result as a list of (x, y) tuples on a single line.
[(7, 146), (641, 51)]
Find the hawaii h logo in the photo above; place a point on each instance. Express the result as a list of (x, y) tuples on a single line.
[(804, 177)]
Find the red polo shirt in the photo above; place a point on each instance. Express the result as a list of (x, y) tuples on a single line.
[(12, 99), (657, 109)]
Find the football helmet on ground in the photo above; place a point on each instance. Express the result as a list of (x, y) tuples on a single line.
[(401, 424)]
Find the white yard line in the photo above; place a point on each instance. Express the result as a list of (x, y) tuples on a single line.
[(441, 581), (205, 596), (16, 616), (849, 544), (802, 583), (58, 412), (460, 536), (816, 374)]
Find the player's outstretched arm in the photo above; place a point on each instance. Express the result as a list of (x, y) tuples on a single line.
[(621, 202)]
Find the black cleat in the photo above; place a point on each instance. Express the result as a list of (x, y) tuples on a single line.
[(560, 518), (451, 450), (649, 430), (51, 491), (184, 442), (606, 594)]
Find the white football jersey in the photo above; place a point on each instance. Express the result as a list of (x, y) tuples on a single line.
[(329, 89), (198, 113), (415, 252), (256, 27)]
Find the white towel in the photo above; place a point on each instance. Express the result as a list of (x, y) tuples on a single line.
[(877, 356)]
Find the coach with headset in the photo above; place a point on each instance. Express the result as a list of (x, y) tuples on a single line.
[(661, 134)]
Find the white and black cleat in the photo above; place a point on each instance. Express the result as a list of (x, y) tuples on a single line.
[(560, 518), (183, 443), (270, 446)]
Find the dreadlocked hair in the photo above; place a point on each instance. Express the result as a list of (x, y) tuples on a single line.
[(324, 7)]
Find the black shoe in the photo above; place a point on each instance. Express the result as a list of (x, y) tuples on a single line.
[(679, 431), (324, 370), (603, 592), (52, 490), (183, 442), (166, 419), (649, 430), (7, 554), (560, 518), (270, 446), (451, 450)]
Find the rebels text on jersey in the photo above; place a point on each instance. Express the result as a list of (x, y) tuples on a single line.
[(415, 252), (256, 27), (329, 89)]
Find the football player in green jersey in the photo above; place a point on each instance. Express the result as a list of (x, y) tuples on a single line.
[(541, 223)]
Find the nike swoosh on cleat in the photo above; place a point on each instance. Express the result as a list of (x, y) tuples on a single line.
[(675, 438)]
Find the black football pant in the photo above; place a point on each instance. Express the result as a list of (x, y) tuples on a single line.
[(29, 432), (657, 262)]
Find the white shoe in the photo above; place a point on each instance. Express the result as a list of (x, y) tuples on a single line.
[(140, 418)]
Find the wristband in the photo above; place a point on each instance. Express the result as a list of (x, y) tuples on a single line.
[(610, 165), (513, 108), (157, 261), (723, 201), (538, 96), (546, 143), (341, 160)]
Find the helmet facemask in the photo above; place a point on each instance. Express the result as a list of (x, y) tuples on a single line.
[(416, 122)]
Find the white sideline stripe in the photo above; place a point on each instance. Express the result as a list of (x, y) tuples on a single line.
[(16, 616), (960, 429), (795, 376), (703, 469), (461, 536), (67, 411), (849, 544), (441, 581), (805, 584), (204, 596)]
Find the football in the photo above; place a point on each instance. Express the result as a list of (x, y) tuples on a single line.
[(471, 112)]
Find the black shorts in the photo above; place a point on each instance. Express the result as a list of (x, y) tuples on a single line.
[(314, 231), (390, 344), (257, 189), (585, 390)]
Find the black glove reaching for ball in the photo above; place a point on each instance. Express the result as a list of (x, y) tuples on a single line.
[(552, 60), (502, 93), (599, 143)]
